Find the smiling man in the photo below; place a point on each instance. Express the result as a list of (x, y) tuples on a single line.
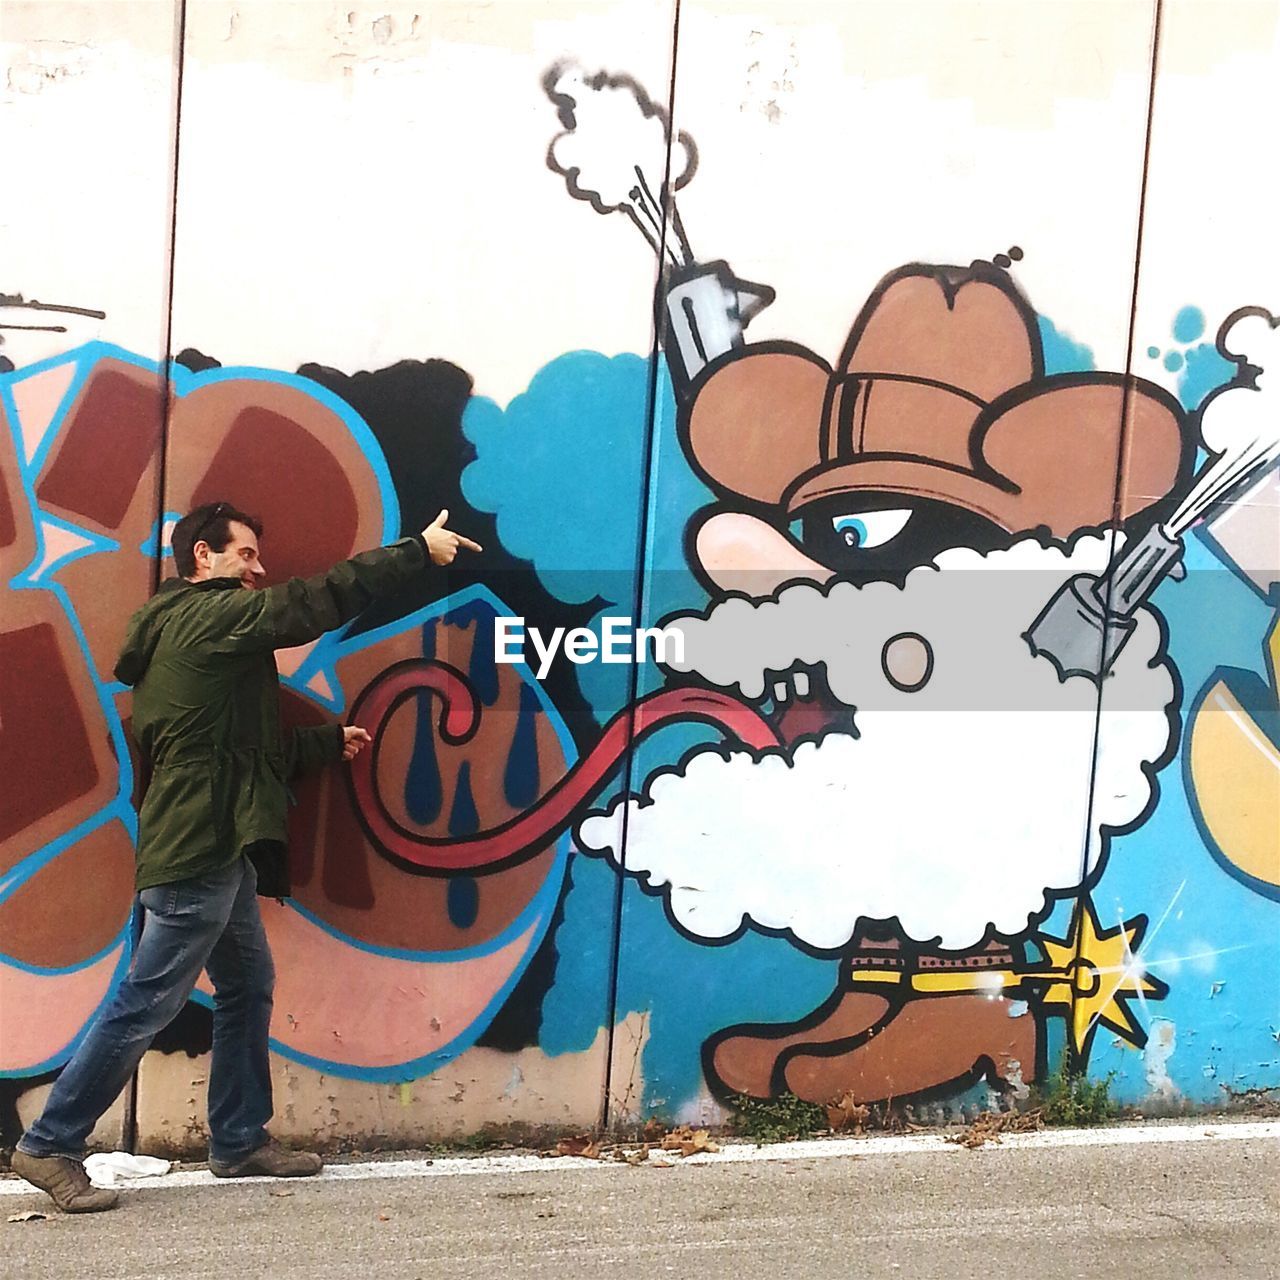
[(211, 831)]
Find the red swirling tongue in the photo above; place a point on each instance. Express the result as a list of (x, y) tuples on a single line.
[(524, 835)]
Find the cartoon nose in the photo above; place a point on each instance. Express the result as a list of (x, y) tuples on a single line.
[(907, 660)]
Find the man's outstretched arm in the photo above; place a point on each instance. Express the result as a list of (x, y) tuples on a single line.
[(303, 609)]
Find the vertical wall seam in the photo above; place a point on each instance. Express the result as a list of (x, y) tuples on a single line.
[(641, 562), (180, 54), (1117, 493), (129, 1137)]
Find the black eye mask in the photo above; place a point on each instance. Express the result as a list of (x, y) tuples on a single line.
[(865, 537)]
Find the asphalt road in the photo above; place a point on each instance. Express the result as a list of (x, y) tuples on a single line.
[(1206, 1208)]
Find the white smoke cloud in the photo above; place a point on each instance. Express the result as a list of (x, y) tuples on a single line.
[(613, 151), (1232, 422), (956, 809), (1242, 423), (845, 628)]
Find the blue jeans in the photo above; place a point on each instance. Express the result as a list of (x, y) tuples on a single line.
[(210, 922)]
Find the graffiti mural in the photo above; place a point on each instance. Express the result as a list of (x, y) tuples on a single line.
[(966, 767), (427, 951), (1233, 761), (929, 567), (66, 830)]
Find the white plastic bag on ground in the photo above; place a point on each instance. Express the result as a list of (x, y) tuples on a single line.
[(110, 1168)]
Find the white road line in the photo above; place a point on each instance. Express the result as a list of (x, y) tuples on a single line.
[(818, 1149)]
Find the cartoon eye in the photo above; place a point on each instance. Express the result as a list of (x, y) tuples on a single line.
[(871, 528)]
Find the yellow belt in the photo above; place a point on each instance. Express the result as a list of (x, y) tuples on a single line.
[(987, 981)]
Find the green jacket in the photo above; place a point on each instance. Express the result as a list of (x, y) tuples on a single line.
[(206, 706)]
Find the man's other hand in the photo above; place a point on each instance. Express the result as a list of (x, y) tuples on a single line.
[(354, 740), (442, 543)]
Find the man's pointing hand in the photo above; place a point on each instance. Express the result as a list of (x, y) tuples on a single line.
[(442, 543)]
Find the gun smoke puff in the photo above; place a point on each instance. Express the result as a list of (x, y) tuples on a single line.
[(1247, 533), (613, 149), (1242, 430), (994, 748), (616, 152)]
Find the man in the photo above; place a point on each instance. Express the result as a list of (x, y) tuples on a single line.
[(206, 715)]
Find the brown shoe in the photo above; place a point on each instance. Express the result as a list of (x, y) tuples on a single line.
[(270, 1161), (65, 1181)]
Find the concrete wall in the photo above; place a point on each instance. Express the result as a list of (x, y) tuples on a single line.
[(348, 264)]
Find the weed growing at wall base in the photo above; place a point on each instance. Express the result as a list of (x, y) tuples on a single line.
[(1071, 1099), (776, 1119), (1065, 1100)]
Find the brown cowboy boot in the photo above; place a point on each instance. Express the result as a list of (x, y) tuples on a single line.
[(65, 1182), (744, 1059), (934, 1041), (957, 1022)]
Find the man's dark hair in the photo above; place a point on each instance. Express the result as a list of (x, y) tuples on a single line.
[(210, 523)]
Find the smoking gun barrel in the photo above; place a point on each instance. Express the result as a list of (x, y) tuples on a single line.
[(1089, 620), (1141, 568), (708, 307)]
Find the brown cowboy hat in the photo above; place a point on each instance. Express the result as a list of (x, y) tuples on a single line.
[(940, 394)]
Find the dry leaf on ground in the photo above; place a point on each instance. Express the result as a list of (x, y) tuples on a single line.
[(988, 1127), (847, 1113), (654, 1130), (688, 1141), (582, 1144)]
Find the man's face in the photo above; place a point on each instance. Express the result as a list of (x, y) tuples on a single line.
[(238, 559)]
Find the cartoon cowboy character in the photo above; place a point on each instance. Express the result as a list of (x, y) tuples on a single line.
[(883, 535)]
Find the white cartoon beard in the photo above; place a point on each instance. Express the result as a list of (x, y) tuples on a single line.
[(956, 810)]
